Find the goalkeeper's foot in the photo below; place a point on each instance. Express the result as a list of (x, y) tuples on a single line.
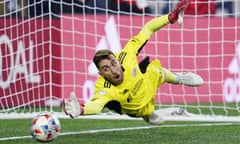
[(178, 13), (72, 107), (179, 112), (189, 79)]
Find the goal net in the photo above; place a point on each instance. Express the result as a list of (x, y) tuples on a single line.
[(46, 50)]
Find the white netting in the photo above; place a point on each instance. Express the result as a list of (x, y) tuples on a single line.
[(47, 48)]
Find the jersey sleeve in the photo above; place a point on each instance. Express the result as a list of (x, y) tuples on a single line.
[(102, 95), (154, 25), (135, 44), (94, 106)]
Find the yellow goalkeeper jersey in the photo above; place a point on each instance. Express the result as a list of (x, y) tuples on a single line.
[(136, 93)]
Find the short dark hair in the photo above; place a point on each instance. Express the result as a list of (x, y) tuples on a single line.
[(100, 55)]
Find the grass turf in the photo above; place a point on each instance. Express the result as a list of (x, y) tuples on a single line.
[(77, 131)]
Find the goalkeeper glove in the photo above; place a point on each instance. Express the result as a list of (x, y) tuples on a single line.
[(72, 107), (178, 13)]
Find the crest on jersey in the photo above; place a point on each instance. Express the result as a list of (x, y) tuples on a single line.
[(101, 92), (134, 72)]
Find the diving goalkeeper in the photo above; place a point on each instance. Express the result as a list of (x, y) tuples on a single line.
[(127, 86)]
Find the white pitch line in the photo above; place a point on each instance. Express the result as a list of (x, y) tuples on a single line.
[(122, 129), (85, 132), (109, 130), (13, 138)]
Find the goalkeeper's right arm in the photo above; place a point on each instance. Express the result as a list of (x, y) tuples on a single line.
[(74, 109)]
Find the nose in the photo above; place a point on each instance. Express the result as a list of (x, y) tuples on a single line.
[(114, 70)]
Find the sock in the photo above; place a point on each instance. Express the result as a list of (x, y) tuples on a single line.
[(169, 76)]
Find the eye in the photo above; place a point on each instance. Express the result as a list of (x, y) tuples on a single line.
[(106, 68), (114, 63)]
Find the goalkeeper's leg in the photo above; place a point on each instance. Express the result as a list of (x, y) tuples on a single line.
[(188, 78), (183, 78), (155, 119), (158, 115)]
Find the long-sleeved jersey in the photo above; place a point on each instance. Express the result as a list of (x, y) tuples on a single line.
[(135, 95)]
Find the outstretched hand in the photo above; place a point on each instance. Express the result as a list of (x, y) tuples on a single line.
[(72, 107)]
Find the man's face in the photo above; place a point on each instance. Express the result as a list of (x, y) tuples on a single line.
[(110, 68)]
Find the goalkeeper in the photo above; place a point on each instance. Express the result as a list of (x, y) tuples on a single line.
[(128, 87)]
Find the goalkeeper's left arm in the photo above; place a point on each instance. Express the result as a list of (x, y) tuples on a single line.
[(138, 41), (154, 25)]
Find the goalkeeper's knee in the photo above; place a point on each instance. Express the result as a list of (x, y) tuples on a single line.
[(154, 119)]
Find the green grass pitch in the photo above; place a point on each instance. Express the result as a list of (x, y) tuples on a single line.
[(94, 131)]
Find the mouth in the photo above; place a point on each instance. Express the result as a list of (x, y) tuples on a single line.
[(117, 77)]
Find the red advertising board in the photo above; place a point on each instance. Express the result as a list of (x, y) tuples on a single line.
[(27, 53)]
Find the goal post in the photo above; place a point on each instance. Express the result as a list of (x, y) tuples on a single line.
[(46, 50)]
